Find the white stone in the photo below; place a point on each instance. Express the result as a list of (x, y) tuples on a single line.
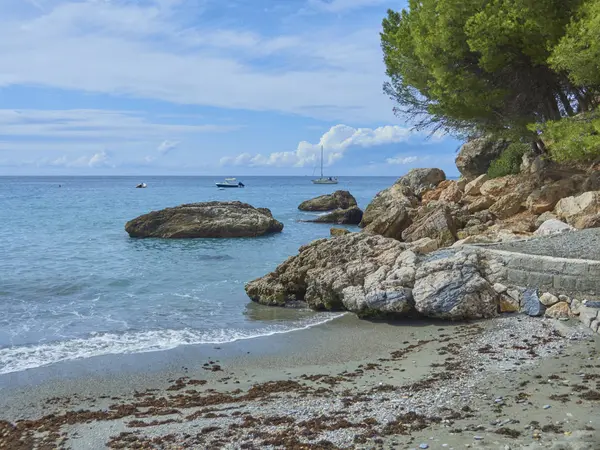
[(547, 299), (473, 188), (552, 226), (500, 288)]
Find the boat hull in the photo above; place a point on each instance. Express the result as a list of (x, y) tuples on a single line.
[(325, 181), (224, 185)]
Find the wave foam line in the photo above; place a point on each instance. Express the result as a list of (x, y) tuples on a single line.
[(16, 359)]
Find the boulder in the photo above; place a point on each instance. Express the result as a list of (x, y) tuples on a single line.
[(497, 187), (523, 222), (545, 199), (335, 232), (438, 224), (329, 202), (577, 210), (507, 205), (367, 274), (390, 211), (543, 218), (452, 287), (508, 304), (480, 203), (474, 187), (350, 216), (476, 155), (560, 310), (531, 304), (548, 299), (424, 245), (591, 221), (436, 192), (420, 180), (552, 226), (205, 220), (452, 194)]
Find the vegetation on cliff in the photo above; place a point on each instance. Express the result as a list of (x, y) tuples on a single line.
[(522, 69)]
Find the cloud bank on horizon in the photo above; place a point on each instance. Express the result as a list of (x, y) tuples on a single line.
[(182, 86)]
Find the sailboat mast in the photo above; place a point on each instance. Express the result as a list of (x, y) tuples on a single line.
[(321, 161)]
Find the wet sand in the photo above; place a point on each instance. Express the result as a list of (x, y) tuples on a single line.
[(512, 382)]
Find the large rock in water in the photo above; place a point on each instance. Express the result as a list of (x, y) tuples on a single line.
[(329, 202), (475, 156), (421, 180), (367, 274), (389, 213), (350, 216), (454, 288), (205, 220)]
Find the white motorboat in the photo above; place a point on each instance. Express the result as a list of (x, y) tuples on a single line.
[(141, 186), (230, 183), (322, 179)]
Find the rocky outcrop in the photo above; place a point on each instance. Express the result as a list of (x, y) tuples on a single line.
[(439, 224), (507, 205), (329, 202), (420, 180), (335, 232), (475, 156), (580, 211), (350, 216), (366, 274), (474, 187), (390, 211), (546, 197), (497, 187), (205, 220), (454, 288)]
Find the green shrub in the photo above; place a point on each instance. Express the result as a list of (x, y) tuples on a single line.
[(574, 138), (509, 162)]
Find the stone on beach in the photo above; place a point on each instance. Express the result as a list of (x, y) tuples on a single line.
[(420, 180), (329, 202), (205, 220), (531, 304), (552, 226)]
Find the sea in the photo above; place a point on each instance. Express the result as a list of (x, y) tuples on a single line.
[(74, 285)]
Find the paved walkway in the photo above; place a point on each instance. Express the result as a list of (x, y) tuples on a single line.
[(583, 244)]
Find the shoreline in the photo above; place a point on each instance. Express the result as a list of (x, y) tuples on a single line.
[(391, 381)]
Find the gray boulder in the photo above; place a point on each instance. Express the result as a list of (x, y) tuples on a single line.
[(452, 287), (421, 180), (329, 202), (367, 274), (531, 304), (205, 220), (439, 224), (476, 155), (350, 216), (389, 213)]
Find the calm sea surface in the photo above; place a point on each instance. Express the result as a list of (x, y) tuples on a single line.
[(74, 285)]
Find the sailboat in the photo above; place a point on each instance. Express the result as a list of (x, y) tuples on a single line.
[(322, 179)]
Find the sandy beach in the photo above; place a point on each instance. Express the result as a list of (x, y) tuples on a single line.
[(512, 382)]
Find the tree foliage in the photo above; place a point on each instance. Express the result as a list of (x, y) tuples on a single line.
[(509, 162), (491, 66)]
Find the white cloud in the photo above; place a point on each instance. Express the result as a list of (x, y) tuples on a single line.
[(97, 160), (401, 160), (149, 50), (167, 146), (334, 142)]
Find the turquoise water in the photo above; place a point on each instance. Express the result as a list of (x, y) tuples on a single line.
[(74, 285)]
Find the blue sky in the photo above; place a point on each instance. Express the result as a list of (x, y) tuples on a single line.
[(206, 87)]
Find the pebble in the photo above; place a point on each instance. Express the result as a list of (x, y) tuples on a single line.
[(424, 446), (546, 406), (478, 438)]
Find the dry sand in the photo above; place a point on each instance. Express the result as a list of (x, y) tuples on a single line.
[(508, 383)]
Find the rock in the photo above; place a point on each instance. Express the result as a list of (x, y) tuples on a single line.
[(575, 210), (367, 274), (480, 204), (564, 298), (515, 294), (475, 156), (424, 245), (335, 232), (587, 315), (474, 187), (420, 180), (508, 304), (497, 187), (531, 304), (545, 199), (350, 216), (595, 325), (435, 193), (453, 288), (591, 221), (592, 182), (329, 202), (438, 224), (547, 299), (452, 194), (205, 220), (543, 217), (507, 205), (559, 310), (591, 303), (552, 226), (523, 223), (500, 288), (462, 183), (576, 306), (390, 211)]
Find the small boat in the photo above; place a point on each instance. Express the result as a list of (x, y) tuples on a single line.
[(322, 179), (141, 186), (230, 183)]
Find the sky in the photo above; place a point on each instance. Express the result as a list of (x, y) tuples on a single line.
[(202, 87)]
